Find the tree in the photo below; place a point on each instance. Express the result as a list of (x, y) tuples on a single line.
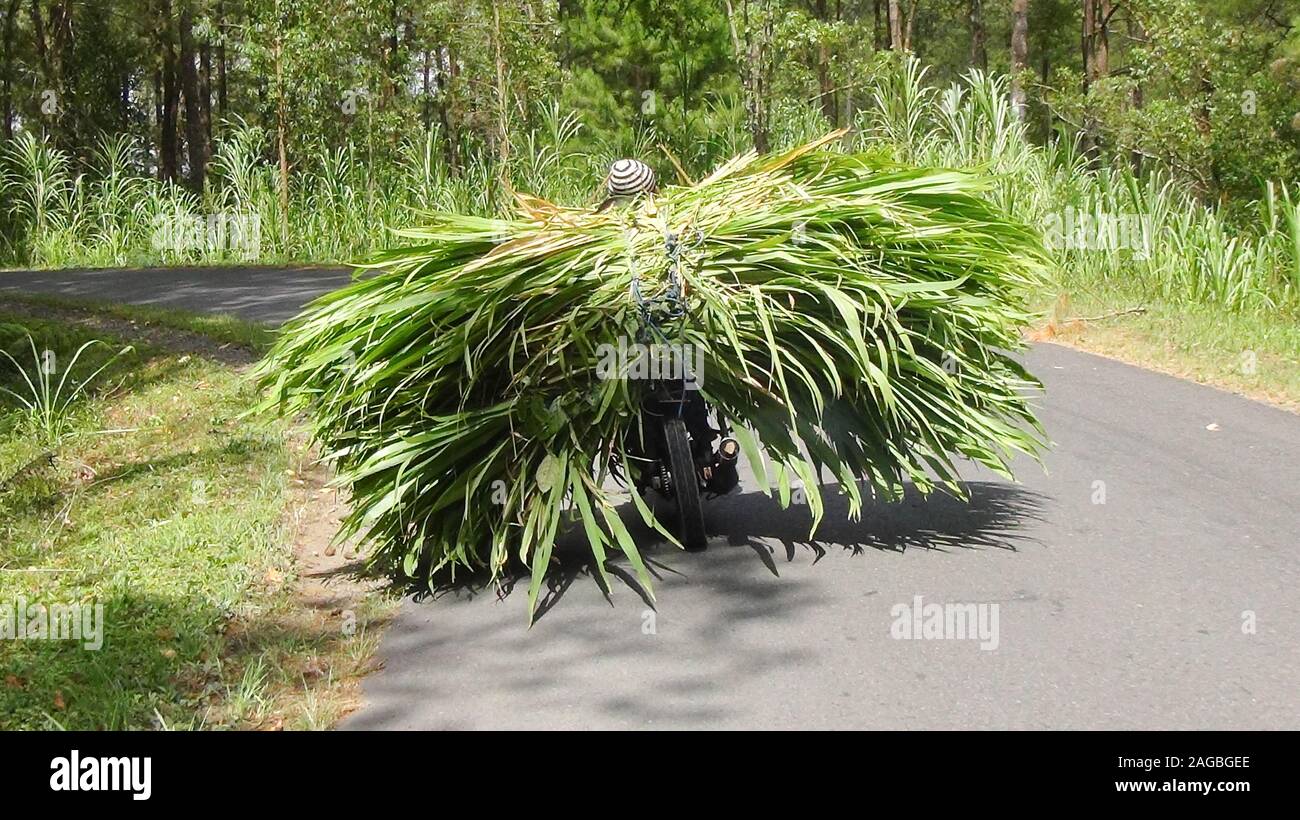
[(196, 123), (502, 134), (1096, 66), (1136, 34), (979, 57), (169, 96), (1161, 84), (1019, 54), (750, 35), (7, 68), (902, 24), (827, 94)]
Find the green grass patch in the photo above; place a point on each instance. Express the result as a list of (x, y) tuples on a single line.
[(160, 504), (222, 328)]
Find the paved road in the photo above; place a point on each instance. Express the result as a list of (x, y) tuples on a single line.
[(258, 294), (1147, 579)]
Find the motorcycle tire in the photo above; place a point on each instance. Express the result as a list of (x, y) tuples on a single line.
[(686, 486)]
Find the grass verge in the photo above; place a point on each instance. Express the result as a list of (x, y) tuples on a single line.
[(202, 536), (1252, 353), (220, 328)]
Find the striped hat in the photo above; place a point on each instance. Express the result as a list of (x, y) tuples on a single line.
[(628, 177)]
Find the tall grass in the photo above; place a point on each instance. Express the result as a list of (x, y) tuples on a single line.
[(342, 201), (340, 205), (45, 397), (1185, 250)]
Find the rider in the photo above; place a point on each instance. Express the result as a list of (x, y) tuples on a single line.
[(627, 179)]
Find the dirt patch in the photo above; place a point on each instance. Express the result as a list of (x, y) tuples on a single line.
[(323, 637), (167, 338), (328, 589)]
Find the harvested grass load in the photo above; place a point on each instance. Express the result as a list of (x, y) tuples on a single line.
[(866, 312)]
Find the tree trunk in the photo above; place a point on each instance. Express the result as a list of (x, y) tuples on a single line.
[(566, 10), (979, 56), (759, 96), (1019, 55), (447, 114), (1085, 42), (52, 38), (1136, 34), (38, 37), (196, 137), (426, 95), (221, 58), (895, 26), (1205, 85), (11, 29), (749, 56), (830, 110), (503, 92), (205, 93), (1091, 63), (1102, 41), (282, 136), (1045, 71), (1096, 40), (158, 103), (167, 125), (396, 21)]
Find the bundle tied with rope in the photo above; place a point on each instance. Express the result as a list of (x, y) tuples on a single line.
[(856, 322), (669, 307)]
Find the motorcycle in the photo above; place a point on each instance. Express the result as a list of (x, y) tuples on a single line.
[(673, 453)]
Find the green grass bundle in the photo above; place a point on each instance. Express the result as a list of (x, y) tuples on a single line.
[(864, 311)]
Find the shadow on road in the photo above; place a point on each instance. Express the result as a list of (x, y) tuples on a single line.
[(989, 517), (728, 631), (992, 517)]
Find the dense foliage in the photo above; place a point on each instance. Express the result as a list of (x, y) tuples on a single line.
[(1206, 88), (172, 131)]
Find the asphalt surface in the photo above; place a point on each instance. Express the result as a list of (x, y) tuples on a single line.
[(258, 294), (1146, 579)]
